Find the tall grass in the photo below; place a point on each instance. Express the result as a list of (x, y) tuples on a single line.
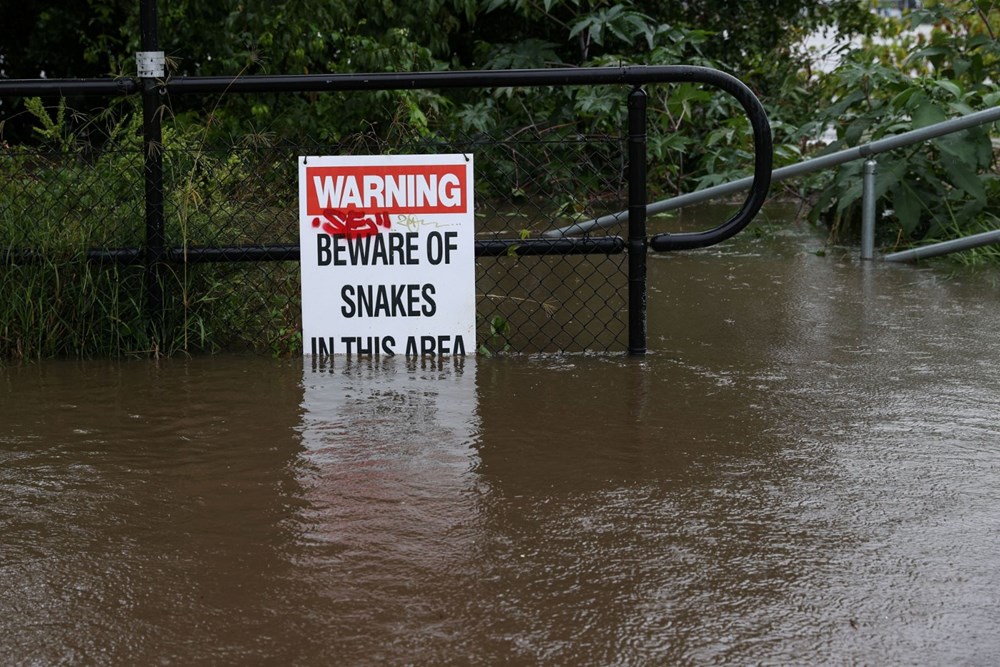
[(81, 187)]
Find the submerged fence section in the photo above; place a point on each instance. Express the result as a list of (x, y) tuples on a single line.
[(72, 239), (142, 240)]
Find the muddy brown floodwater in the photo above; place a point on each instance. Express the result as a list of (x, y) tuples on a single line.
[(804, 470)]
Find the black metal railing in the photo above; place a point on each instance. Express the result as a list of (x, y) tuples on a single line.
[(162, 254)]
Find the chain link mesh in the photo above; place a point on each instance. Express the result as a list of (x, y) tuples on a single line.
[(57, 203)]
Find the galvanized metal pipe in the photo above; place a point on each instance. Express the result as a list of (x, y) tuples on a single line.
[(945, 247), (868, 211), (805, 167)]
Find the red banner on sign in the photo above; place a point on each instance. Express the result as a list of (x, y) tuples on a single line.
[(404, 189)]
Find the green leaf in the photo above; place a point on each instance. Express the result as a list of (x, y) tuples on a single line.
[(854, 131), (851, 195), (900, 100), (927, 114), (596, 30), (973, 147), (618, 32), (841, 105), (928, 52), (907, 206), (970, 210), (965, 178), (960, 108), (979, 40), (888, 176), (950, 86)]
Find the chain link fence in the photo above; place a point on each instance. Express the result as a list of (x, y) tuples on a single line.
[(72, 239)]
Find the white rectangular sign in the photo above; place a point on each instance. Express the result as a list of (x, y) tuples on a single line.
[(387, 254)]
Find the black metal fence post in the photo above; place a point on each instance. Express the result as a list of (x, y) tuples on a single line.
[(150, 68), (637, 222)]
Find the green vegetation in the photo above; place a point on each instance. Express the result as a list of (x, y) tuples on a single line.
[(71, 174), (939, 189), (63, 195)]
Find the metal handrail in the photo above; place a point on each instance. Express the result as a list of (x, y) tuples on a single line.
[(805, 167), (945, 247)]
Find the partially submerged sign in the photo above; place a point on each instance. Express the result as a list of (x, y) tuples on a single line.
[(387, 255)]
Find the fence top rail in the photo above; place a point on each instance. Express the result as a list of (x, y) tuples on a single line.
[(64, 87), (552, 76)]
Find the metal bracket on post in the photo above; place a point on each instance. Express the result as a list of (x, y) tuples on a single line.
[(150, 64)]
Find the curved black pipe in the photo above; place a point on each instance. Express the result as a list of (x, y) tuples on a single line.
[(763, 159)]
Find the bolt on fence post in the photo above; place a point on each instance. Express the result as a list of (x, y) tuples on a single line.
[(637, 222), (868, 211), (150, 65)]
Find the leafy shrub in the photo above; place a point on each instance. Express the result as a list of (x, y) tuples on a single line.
[(934, 189)]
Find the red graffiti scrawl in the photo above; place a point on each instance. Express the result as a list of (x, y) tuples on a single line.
[(351, 223)]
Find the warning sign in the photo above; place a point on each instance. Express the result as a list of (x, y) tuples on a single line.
[(387, 255)]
